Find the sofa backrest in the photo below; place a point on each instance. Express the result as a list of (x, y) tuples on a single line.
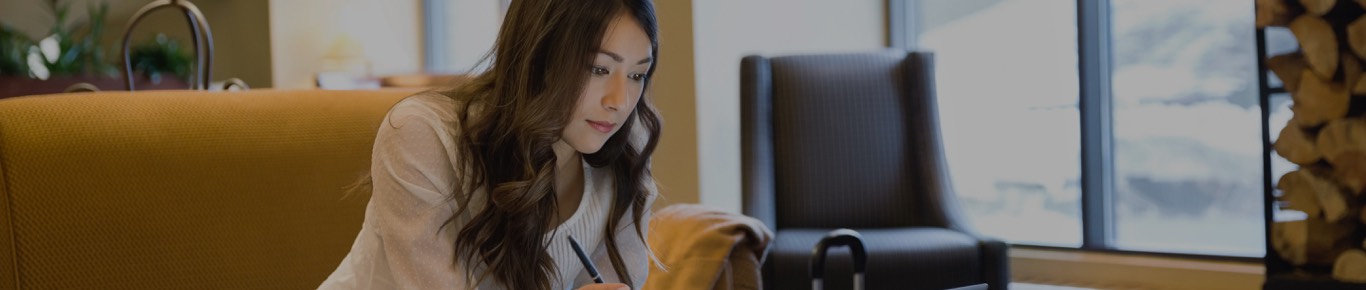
[(182, 189)]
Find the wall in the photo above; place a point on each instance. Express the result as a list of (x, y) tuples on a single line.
[(241, 40), (726, 31), (387, 32), (674, 93)]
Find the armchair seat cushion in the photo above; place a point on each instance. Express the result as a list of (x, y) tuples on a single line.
[(898, 258)]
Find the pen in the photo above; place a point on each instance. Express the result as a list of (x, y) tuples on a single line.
[(587, 264)]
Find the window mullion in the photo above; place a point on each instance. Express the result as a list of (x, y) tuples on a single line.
[(435, 30), (1097, 170), (903, 29)]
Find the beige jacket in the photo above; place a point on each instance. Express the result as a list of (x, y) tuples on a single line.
[(707, 248)]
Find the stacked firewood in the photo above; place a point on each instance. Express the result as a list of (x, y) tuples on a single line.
[(1326, 136)]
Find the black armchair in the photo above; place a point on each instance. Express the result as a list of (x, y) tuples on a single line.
[(852, 141)]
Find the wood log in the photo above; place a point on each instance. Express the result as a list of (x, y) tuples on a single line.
[(1337, 204), (1297, 191), (1318, 7), (1343, 144), (1290, 239), (1356, 36), (1360, 88), (1340, 136), (1319, 100), (1350, 171), (1317, 195), (1318, 43), (1294, 145), (1362, 218), (1289, 68), (1338, 15), (1274, 13), (1310, 241), (1350, 266), (1351, 70)]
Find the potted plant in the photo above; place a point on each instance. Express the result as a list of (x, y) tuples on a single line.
[(73, 54), (160, 56)]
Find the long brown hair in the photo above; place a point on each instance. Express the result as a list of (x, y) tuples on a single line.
[(511, 114)]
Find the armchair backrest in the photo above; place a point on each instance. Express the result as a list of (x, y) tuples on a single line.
[(841, 140)]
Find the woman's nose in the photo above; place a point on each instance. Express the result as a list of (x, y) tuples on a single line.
[(615, 96)]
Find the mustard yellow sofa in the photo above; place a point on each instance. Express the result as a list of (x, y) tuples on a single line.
[(182, 189)]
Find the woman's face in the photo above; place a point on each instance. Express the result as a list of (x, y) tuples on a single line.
[(615, 83)]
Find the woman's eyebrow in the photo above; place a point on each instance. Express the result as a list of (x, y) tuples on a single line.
[(618, 58)]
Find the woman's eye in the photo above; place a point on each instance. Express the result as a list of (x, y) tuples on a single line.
[(601, 71), (637, 77)]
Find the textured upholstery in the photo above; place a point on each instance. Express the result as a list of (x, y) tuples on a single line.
[(182, 190), (852, 141), (841, 137)]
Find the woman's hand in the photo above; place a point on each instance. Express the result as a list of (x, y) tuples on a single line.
[(607, 286)]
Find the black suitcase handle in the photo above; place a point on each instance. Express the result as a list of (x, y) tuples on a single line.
[(840, 237)]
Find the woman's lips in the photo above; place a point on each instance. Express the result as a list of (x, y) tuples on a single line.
[(604, 127)]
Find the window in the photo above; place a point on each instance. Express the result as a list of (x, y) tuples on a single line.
[(1119, 125), (1006, 76), (1187, 127)]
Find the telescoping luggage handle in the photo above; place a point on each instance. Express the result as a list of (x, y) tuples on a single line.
[(840, 237)]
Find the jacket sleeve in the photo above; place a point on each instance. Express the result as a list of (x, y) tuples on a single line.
[(413, 179)]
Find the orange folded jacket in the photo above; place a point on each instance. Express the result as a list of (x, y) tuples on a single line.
[(703, 247)]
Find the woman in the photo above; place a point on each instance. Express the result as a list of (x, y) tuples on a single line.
[(480, 185)]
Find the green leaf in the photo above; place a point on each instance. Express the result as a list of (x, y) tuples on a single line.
[(13, 52), (161, 55), (80, 47)]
